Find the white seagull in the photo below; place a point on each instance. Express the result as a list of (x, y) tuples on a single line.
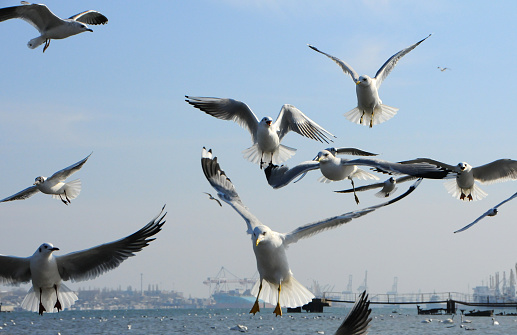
[(46, 271), (443, 68), (464, 186), (388, 187), (358, 319), (334, 168), (370, 110), (55, 185), (265, 135), (491, 212), (276, 283), (48, 24)]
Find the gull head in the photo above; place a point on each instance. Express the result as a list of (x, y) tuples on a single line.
[(324, 156), (461, 167), (39, 180), (267, 120), (391, 180), (79, 26), (364, 80), (45, 249), (260, 233)]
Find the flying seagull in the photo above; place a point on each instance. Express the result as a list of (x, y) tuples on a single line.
[(443, 68), (491, 212), (212, 198), (46, 271), (55, 185), (334, 168), (370, 110), (463, 186), (48, 24), (265, 135), (276, 283), (358, 319), (389, 186)]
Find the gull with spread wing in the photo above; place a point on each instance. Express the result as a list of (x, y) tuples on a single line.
[(266, 135), (55, 185), (388, 187), (370, 110), (491, 212), (48, 24), (463, 187), (334, 168), (276, 283), (47, 272)]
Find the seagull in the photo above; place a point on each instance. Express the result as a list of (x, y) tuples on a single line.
[(358, 319), (370, 109), (270, 246), (463, 186), (265, 135), (48, 24), (491, 212), (47, 271), (212, 198), (495, 322), (443, 68), (389, 186), (54, 185), (334, 168)]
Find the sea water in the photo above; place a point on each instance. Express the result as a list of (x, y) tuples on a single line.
[(225, 321)]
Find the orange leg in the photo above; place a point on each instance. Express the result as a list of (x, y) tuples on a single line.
[(256, 307)]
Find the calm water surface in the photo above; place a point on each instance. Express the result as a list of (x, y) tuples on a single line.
[(220, 321)]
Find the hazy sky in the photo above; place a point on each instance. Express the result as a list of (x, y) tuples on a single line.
[(119, 92)]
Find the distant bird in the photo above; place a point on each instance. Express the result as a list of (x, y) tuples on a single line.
[(464, 187), (334, 168), (48, 24), (389, 186), (276, 279), (449, 320), (358, 319), (212, 198), (47, 271), (265, 135), (443, 68), (495, 322), (55, 185), (370, 110), (491, 212)]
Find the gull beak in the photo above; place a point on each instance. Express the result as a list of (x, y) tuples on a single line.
[(91, 31), (358, 82), (269, 123), (258, 241), (54, 249)]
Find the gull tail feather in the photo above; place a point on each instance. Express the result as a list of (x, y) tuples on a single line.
[(36, 42), (476, 192), (381, 115), (384, 194), (72, 188), (254, 154), (293, 294), (48, 298)]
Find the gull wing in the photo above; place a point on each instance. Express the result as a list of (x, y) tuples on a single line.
[(225, 189), (14, 270), (291, 118), (38, 15), (61, 175), (344, 66), (90, 17), (376, 185), (333, 222), (490, 212), (358, 319), (386, 68), (349, 151), (420, 168), (26, 193), (497, 171), (90, 263), (227, 109), (280, 176)]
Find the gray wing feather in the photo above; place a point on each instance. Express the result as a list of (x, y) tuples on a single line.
[(333, 222), (421, 167), (497, 171), (486, 213), (227, 109), (225, 189), (291, 118), (280, 176), (376, 185), (26, 193), (61, 175), (386, 68), (90, 263), (14, 270), (39, 16), (344, 66), (350, 151), (358, 319), (90, 17)]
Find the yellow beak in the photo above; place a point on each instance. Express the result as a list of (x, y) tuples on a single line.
[(258, 241), (358, 82)]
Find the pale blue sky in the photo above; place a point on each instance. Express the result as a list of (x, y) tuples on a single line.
[(119, 92)]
